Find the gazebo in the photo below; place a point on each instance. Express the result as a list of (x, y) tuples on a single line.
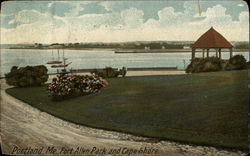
[(212, 40)]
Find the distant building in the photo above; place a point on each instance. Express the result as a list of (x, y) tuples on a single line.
[(186, 47), (55, 46), (137, 43)]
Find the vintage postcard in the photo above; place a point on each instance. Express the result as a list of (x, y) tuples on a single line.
[(125, 78)]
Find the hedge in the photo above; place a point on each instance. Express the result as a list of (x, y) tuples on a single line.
[(27, 76), (212, 64), (109, 72)]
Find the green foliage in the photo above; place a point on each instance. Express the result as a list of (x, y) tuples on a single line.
[(237, 62), (208, 64), (242, 46), (109, 72), (123, 71), (27, 76), (212, 64), (129, 45)]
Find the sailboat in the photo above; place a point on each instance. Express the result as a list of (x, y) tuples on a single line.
[(54, 61), (64, 65), (61, 65)]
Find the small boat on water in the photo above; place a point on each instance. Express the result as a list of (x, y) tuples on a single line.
[(55, 61), (60, 65)]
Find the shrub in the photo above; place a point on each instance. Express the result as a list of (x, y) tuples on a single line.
[(208, 64), (212, 64), (194, 66), (109, 72), (65, 86), (123, 71), (237, 62), (27, 76)]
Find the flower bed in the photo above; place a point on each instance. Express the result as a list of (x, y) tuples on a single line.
[(65, 86)]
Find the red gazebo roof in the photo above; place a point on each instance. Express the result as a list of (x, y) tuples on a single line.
[(212, 39)]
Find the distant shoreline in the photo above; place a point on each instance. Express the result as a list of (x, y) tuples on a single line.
[(62, 48), (125, 51), (172, 50)]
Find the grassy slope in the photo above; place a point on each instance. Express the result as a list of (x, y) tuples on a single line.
[(206, 108)]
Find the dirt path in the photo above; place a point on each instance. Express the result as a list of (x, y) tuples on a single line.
[(25, 126)]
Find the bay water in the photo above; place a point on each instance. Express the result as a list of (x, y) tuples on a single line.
[(97, 58)]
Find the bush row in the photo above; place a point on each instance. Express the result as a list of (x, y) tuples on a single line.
[(66, 86), (27, 76), (211, 64), (109, 72)]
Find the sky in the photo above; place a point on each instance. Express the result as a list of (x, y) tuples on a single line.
[(46, 22)]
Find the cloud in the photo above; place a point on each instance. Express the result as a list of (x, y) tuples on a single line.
[(126, 25), (50, 4), (168, 17), (77, 8), (240, 5), (132, 17), (109, 6), (28, 16), (217, 17)]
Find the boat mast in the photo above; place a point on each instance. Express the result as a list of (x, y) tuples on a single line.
[(53, 55), (58, 54), (64, 60)]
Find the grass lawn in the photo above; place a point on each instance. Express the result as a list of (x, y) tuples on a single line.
[(206, 108)]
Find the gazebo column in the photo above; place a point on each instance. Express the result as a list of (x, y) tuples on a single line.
[(193, 53), (220, 53), (231, 52), (207, 52), (216, 52), (203, 53)]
